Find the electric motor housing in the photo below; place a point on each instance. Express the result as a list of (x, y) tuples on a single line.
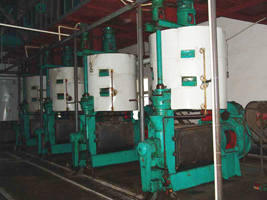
[(185, 66)]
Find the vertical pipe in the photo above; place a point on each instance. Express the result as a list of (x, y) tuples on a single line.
[(24, 89), (159, 57), (140, 46), (58, 8), (46, 12), (47, 84), (215, 102), (51, 11), (76, 85), (41, 88), (261, 152), (19, 91), (85, 72)]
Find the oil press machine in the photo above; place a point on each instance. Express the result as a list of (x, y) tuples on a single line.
[(108, 133), (176, 156), (29, 112), (59, 119)]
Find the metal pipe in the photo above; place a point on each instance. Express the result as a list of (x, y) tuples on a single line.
[(19, 93), (76, 86), (92, 26), (30, 47), (47, 83), (66, 27), (215, 102), (41, 89), (159, 57), (24, 89), (140, 46), (85, 73), (33, 29)]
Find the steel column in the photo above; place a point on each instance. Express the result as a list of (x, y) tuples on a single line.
[(24, 89), (85, 72), (159, 57), (76, 86), (215, 102), (140, 46), (41, 88)]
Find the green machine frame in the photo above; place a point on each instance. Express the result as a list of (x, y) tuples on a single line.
[(158, 154), (84, 153), (23, 135), (46, 134)]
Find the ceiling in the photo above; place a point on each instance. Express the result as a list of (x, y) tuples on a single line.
[(247, 10)]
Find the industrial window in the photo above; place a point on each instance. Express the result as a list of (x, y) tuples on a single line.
[(104, 92), (60, 96), (189, 81), (59, 81), (34, 99), (103, 72)]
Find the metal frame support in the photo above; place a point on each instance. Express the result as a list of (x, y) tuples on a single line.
[(76, 86), (215, 102), (41, 88), (92, 26), (140, 52)]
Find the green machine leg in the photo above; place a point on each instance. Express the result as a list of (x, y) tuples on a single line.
[(24, 138)]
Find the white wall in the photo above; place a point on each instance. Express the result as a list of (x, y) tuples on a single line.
[(247, 56)]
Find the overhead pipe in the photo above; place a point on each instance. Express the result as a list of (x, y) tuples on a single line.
[(33, 29), (140, 46), (92, 26), (30, 47), (215, 102), (66, 27)]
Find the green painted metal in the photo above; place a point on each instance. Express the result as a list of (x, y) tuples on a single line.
[(189, 81), (151, 152), (103, 72), (159, 57), (11, 40), (84, 148), (109, 40), (85, 44), (167, 24), (85, 71), (188, 53), (156, 153), (157, 9), (87, 52), (24, 89), (186, 13), (47, 83), (68, 56), (46, 134), (113, 158)]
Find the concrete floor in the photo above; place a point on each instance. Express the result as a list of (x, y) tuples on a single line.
[(23, 176)]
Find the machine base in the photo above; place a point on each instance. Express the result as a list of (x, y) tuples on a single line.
[(111, 158)]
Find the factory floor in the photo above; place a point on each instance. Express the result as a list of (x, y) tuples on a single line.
[(25, 176)]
